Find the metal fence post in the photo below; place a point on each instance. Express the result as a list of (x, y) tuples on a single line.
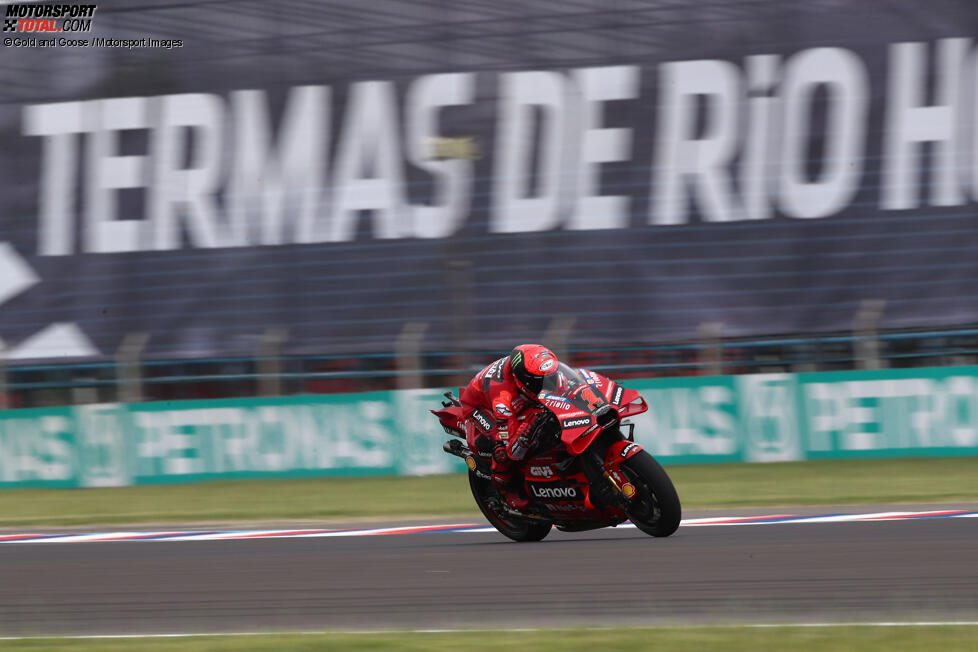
[(4, 401), (270, 361), (129, 375), (407, 350), (711, 348), (866, 343)]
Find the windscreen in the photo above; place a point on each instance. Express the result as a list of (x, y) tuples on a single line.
[(563, 382)]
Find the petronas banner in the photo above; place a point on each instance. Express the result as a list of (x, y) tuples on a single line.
[(762, 418)]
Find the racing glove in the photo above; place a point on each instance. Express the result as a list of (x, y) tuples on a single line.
[(532, 432)]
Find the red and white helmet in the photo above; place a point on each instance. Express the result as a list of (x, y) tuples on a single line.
[(530, 364)]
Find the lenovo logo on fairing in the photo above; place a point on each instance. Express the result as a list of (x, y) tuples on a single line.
[(554, 492), (482, 420), (576, 423), (617, 398)]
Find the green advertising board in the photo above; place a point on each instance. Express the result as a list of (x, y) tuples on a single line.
[(750, 418), (784, 417)]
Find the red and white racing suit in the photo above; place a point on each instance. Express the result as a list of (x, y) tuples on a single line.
[(495, 408)]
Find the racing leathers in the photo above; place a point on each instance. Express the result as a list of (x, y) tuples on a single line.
[(511, 421)]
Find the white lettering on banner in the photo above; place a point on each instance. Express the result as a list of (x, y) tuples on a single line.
[(734, 140), (962, 410), (892, 414), (264, 439), (268, 189), (597, 145), (686, 159), (844, 77), (369, 175), (167, 442), (108, 172), (36, 449), (688, 421), (58, 124), (101, 442), (187, 192), (909, 124), (767, 412), (281, 433), (517, 207), (757, 180), (453, 176)]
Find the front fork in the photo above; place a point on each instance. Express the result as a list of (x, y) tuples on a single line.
[(605, 475)]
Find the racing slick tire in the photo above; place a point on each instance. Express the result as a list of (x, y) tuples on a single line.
[(517, 529), (655, 509)]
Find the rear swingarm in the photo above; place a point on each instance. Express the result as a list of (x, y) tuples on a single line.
[(500, 506)]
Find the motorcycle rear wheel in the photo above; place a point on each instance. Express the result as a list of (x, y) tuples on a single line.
[(517, 529), (655, 510)]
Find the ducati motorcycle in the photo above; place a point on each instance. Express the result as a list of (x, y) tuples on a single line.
[(589, 474)]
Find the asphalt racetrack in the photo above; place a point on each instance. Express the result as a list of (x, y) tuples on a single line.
[(889, 570)]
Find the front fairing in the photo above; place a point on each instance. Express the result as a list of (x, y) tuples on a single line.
[(577, 398)]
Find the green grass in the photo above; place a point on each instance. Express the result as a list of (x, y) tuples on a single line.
[(727, 485), (675, 639)]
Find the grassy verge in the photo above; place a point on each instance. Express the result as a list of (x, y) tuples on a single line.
[(733, 485), (677, 639)]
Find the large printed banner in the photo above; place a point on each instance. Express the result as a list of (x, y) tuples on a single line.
[(763, 418), (341, 169)]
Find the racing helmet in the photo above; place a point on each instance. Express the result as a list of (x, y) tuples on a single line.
[(530, 364)]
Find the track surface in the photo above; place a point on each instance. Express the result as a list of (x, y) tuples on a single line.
[(890, 570)]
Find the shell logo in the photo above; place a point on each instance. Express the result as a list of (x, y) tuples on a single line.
[(628, 489), (470, 462)]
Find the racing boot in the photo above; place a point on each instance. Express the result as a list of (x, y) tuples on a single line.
[(506, 482), (510, 492)]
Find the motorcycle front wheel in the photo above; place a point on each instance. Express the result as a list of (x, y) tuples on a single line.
[(517, 529), (655, 509)]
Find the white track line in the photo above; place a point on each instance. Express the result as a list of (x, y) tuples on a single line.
[(510, 630), (470, 528)]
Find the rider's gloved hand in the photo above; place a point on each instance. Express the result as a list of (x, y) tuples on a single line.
[(544, 426), (531, 432)]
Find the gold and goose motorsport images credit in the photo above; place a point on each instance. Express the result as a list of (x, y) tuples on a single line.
[(32, 25)]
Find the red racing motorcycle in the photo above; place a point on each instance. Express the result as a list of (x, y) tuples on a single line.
[(590, 474)]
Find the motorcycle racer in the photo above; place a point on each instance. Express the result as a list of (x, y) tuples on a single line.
[(501, 403)]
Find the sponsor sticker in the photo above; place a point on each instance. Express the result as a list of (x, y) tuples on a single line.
[(627, 450), (556, 507), (554, 401), (555, 492), (503, 410), (482, 420), (576, 422), (496, 370), (541, 471), (547, 366), (616, 396)]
